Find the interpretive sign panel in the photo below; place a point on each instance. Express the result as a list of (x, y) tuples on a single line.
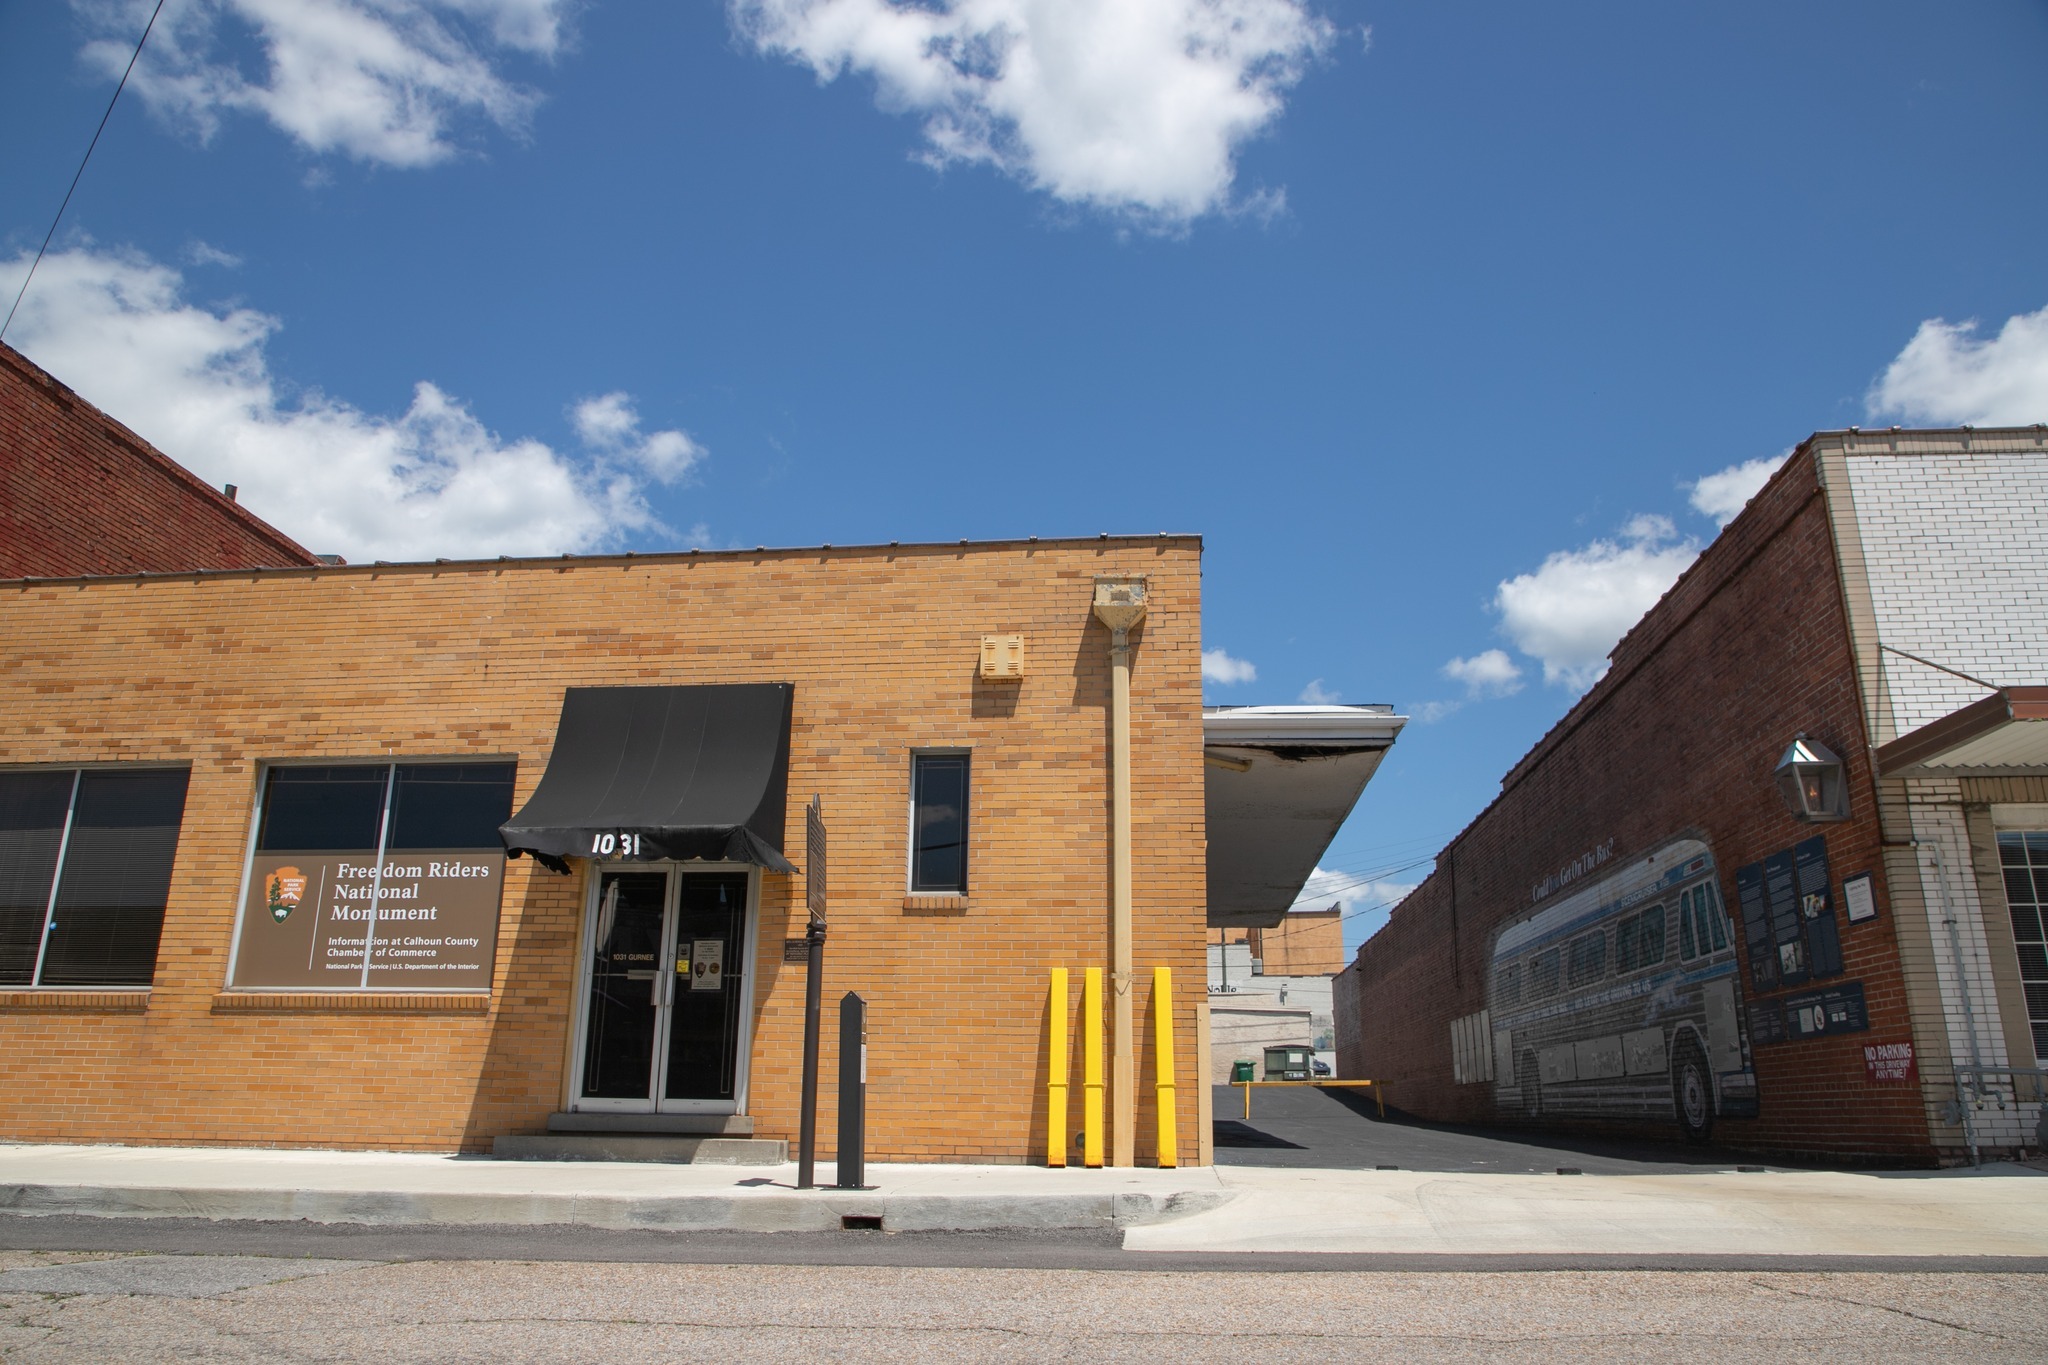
[(1857, 895), (1788, 916), (1838, 1009), (429, 921)]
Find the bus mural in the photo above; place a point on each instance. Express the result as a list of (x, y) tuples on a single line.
[(1620, 1000)]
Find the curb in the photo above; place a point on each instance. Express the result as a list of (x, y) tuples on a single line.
[(778, 1211)]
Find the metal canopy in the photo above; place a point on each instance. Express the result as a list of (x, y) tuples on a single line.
[(2002, 735), (698, 772), (1279, 782)]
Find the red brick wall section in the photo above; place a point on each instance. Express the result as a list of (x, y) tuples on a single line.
[(1681, 737), (82, 494)]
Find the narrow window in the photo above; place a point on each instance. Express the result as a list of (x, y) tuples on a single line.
[(1686, 950), (1650, 938), (85, 873), (1625, 936), (1589, 958), (2023, 858), (938, 824), (1543, 972), (1710, 906)]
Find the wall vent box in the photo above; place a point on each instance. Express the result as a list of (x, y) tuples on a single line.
[(1002, 657)]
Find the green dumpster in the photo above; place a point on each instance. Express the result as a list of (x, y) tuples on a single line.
[(1243, 1071)]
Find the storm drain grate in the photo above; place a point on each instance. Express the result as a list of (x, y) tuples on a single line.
[(861, 1222)]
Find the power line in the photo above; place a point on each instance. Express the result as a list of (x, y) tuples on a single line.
[(81, 167), (1338, 884)]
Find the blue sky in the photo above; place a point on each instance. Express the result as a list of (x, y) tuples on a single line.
[(1431, 318)]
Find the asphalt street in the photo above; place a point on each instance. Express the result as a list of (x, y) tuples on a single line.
[(101, 1307), (1341, 1130)]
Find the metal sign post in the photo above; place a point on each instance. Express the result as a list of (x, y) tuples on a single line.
[(814, 974), (853, 1093)]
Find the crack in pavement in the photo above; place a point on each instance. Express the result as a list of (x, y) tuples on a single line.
[(1882, 1307), (1121, 1334)]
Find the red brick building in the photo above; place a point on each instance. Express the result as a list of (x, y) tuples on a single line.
[(1641, 931), (82, 494)]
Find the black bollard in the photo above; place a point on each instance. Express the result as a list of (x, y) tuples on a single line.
[(853, 1092), (807, 1132)]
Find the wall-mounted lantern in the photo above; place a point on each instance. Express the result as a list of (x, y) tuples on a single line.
[(1811, 779)]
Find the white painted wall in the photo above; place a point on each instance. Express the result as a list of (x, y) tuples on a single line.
[(1955, 550)]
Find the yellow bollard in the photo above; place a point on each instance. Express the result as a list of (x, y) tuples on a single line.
[(1056, 1071), (1091, 1068), (1162, 1035)]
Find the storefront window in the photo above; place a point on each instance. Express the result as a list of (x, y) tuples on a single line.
[(938, 859), (375, 876), (85, 873)]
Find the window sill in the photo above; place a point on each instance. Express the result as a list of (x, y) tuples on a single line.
[(934, 905), (370, 1002), (91, 999)]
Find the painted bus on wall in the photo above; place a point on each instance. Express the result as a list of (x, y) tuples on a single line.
[(1620, 1001)]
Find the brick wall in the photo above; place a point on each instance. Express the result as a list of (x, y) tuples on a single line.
[(1305, 943), (82, 494), (1680, 737), (223, 671)]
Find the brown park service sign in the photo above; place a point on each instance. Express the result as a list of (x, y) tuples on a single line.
[(422, 921)]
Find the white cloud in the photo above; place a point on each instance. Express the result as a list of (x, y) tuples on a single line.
[(1365, 901), (383, 81), (1490, 674), (1430, 712), (430, 481), (1573, 609), (1947, 374), (1315, 694), (1137, 107), (611, 425), (1219, 667), (1723, 494), (205, 253)]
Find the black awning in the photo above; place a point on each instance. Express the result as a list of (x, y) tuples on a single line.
[(687, 772)]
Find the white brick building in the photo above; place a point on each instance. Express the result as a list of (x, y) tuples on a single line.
[(1944, 563)]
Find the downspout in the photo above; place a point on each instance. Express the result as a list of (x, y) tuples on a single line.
[(1963, 987), (1120, 605)]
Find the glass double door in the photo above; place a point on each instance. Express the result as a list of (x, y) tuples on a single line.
[(667, 978)]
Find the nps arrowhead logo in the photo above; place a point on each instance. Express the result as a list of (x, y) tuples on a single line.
[(285, 887)]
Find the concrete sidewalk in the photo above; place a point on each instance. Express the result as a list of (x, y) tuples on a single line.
[(2001, 1211), (1998, 1211), (391, 1188)]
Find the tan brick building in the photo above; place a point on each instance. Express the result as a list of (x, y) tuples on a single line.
[(263, 745), (1304, 943)]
